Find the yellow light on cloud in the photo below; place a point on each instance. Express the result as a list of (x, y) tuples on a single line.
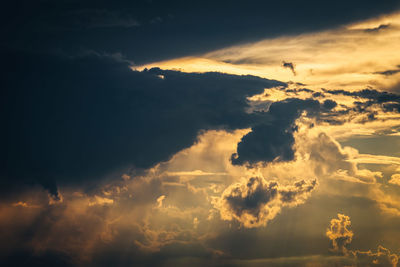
[(352, 57)]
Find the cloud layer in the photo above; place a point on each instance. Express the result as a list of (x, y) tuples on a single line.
[(107, 163)]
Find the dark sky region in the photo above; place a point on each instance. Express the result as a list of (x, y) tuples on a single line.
[(106, 164), (148, 31)]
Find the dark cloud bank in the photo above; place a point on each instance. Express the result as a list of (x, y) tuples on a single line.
[(74, 119)]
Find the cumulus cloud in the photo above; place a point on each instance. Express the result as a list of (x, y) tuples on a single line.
[(273, 140), (341, 236), (257, 201), (339, 233), (328, 158)]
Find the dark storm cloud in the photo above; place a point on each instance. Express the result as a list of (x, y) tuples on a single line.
[(273, 141), (289, 65), (265, 143), (73, 119), (137, 28)]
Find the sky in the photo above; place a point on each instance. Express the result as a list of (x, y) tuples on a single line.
[(200, 133)]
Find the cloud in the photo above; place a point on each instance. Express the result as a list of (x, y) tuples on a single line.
[(383, 257), (327, 115), (339, 233), (341, 236), (274, 141), (79, 119), (195, 173), (371, 94), (160, 201), (265, 143), (375, 159), (395, 179), (321, 57), (339, 106), (388, 72), (257, 201), (289, 65), (98, 200), (71, 26), (135, 231), (329, 104), (125, 222), (329, 159), (377, 29)]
